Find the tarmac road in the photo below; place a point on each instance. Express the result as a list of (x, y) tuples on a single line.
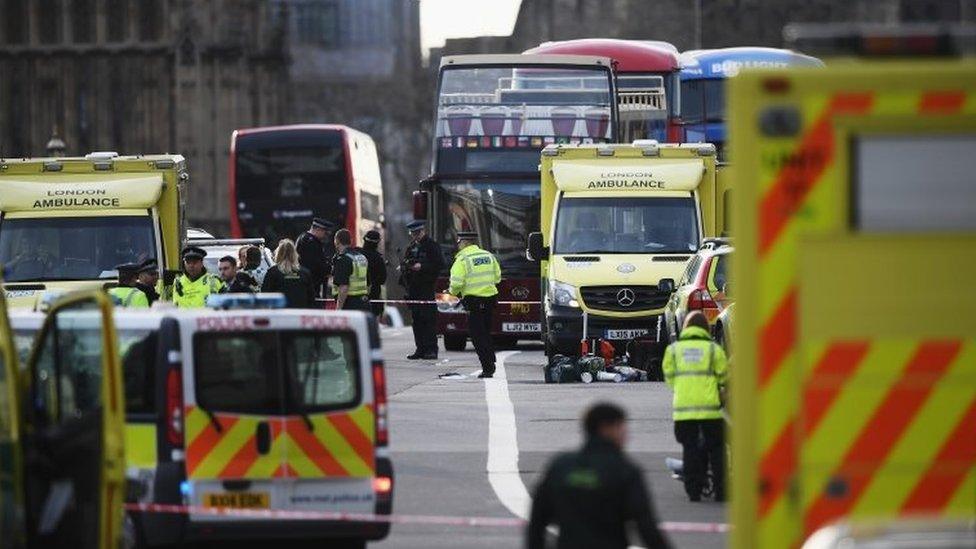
[(440, 444)]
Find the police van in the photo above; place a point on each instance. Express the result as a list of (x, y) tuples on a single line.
[(258, 409)]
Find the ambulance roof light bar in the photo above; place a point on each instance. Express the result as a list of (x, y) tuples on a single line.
[(881, 40), (247, 301)]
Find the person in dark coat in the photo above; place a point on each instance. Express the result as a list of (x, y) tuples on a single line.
[(376, 273), (147, 279), (315, 251), (422, 263), (592, 494), (290, 278), (238, 282)]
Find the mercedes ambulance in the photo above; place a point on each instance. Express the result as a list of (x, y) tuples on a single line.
[(619, 223), (256, 409), (65, 223)]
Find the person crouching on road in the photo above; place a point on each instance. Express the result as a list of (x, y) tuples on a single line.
[(290, 278), (190, 289), (126, 294), (592, 494), (696, 369), (350, 281), (474, 277)]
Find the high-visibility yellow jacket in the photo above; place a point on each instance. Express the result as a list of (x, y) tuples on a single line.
[(189, 294), (695, 367), (357, 275), (127, 296), (475, 273)]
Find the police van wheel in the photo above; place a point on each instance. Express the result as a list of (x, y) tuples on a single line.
[(455, 342)]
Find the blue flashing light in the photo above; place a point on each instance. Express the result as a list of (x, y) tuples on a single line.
[(247, 301), (186, 488)]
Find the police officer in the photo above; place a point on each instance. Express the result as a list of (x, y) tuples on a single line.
[(474, 277), (147, 278), (315, 251), (349, 275), (592, 494), (126, 294), (376, 273), (421, 264), (191, 288), (695, 368)]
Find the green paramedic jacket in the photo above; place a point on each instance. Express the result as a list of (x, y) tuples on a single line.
[(475, 273), (695, 367)]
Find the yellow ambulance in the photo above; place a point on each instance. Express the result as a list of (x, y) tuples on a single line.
[(65, 223), (854, 388), (619, 224), (61, 442)]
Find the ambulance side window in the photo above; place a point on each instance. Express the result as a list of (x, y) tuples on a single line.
[(69, 368), (324, 369)]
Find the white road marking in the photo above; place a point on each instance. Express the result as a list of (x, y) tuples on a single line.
[(503, 469)]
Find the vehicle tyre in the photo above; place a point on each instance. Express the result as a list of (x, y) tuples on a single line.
[(455, 342)]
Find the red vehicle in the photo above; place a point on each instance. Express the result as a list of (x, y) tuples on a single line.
[(282, 176), (647, 83), (494, 114)]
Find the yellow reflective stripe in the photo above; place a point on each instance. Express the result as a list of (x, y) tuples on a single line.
[(266, 465), (341, 450), (196, 421), (140, 445), (364, 418), (300, 462), (230, 442)]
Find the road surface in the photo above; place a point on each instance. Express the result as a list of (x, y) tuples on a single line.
[(441, 452)]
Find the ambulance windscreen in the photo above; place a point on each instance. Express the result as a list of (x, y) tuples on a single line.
[(626, 225), (73, 248)]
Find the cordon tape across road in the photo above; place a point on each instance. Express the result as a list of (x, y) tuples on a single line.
[(501, 522)]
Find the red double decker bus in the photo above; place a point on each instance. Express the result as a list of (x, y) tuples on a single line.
[(648, 94), (494, 114), (282, 176)]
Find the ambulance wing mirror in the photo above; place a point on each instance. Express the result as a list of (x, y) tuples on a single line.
[(727, 289), (76, 420), (665, 286), (536, 251)]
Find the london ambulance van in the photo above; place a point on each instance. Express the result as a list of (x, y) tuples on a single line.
[(65, 223), (252, 410), (619, 223)]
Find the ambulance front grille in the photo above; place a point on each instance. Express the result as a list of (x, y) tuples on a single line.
[(615, 298)]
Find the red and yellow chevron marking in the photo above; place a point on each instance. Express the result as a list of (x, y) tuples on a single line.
[(796, 198), (339, 445)]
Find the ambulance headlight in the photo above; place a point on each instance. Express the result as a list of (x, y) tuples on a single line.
[(563, 294)]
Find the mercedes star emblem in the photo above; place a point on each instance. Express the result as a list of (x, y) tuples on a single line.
[(626, 297), (520, 292), (626, 268)]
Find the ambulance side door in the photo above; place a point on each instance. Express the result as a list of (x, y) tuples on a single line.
[(12, 530), (73, 444)]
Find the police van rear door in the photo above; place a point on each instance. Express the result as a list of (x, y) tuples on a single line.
[(331, 442)]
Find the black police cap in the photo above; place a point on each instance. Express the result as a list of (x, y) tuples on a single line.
[(372, 236), (416, 225), (127, 268), (323, 223), (148, 266), (467, 235), (194, 252)]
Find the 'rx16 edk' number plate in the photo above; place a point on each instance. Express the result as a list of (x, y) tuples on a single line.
[(625, 334)]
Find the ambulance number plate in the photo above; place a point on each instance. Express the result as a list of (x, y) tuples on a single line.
[(521, 327), (238, 500), (625, 334)]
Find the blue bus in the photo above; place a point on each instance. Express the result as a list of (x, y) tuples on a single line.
[(703, 75)]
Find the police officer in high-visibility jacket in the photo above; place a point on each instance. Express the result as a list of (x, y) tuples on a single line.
[(696, 369), (474, 275), (349, 270), (126, 294), (191, 288)]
